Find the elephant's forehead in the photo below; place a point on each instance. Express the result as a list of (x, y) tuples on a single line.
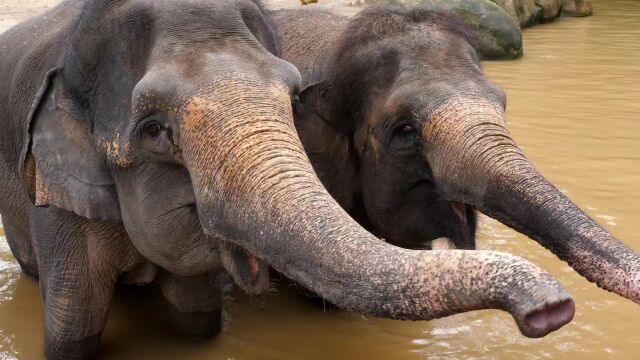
[(467, 109), (233, 99), (146, 102)]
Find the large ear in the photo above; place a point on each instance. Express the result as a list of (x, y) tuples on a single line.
[(59, 163), (330, 151)]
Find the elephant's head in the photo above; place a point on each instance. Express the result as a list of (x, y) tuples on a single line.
[(148, 109), (362, 126), (418, 135), (175, 118)]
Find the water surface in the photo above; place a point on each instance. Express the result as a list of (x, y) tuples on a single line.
[(573, 105)]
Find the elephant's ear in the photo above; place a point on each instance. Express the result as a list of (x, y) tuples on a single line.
[(330, 151), (59, 163)]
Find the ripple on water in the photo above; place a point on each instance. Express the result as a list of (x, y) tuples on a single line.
[(9, 271)]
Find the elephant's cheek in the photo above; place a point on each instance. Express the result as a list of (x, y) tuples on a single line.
[(176, 248)]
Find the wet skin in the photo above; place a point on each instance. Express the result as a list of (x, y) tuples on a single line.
[(410, 138), (154, 140)]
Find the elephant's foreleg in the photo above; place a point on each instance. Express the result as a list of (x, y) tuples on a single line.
[(80, 261), (195, 303)]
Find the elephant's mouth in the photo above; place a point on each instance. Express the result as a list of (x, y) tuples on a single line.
[(461, 209), (460, 233), (463, 234), (247, 270)]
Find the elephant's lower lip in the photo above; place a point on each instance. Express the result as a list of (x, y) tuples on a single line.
[(258, 274), (461, 210), (247, 270), (254, 268)]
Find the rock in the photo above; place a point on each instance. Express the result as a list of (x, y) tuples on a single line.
[(499, 36), (577, 7), (509, 8), (527, 11), (550, 9)]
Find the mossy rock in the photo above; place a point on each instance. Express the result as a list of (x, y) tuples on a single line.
[(528, 12), (509, 8), (499, 36), (549, 9)]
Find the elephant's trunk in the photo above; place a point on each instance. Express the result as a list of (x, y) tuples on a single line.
[(489, 171), (255, 186)]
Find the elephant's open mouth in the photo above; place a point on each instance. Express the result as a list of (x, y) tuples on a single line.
[(461, 210), (460, 234), (463, 234), (247, 270)]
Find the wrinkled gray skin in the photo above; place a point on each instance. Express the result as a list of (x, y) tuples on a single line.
[(409, 136), (156, 141)]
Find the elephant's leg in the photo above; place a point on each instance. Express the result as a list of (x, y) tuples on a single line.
[(79, 264), (18, 236), (15, 220), (195, 303)]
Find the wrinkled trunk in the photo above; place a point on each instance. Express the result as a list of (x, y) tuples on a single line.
[(255, 186), (490, 172)]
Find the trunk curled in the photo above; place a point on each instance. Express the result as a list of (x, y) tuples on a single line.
[(255, 184), (490, 172)]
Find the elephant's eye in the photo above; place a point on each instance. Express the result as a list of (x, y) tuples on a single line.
[(153, 128), (404, 135), (407, 129), (404, 130)]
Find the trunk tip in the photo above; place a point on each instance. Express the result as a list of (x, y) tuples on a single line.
[(550, 316)]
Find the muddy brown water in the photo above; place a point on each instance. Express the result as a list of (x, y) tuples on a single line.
[(573, 105)]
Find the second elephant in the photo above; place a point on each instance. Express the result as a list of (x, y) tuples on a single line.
[(409, 136)]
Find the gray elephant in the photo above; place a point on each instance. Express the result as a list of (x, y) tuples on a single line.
[(409, 137), (154, 140)]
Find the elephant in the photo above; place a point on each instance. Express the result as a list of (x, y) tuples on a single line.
[(154, 141), (410, 138)]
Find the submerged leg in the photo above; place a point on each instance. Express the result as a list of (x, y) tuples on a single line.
[(79, 266), (195, 303)]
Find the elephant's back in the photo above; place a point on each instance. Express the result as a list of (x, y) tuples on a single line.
[(308, 39)]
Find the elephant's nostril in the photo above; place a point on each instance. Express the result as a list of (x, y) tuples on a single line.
[(549, 318)]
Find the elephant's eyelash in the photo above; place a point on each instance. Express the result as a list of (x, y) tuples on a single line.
[(145, 122), (397, 120), (403, 129)]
